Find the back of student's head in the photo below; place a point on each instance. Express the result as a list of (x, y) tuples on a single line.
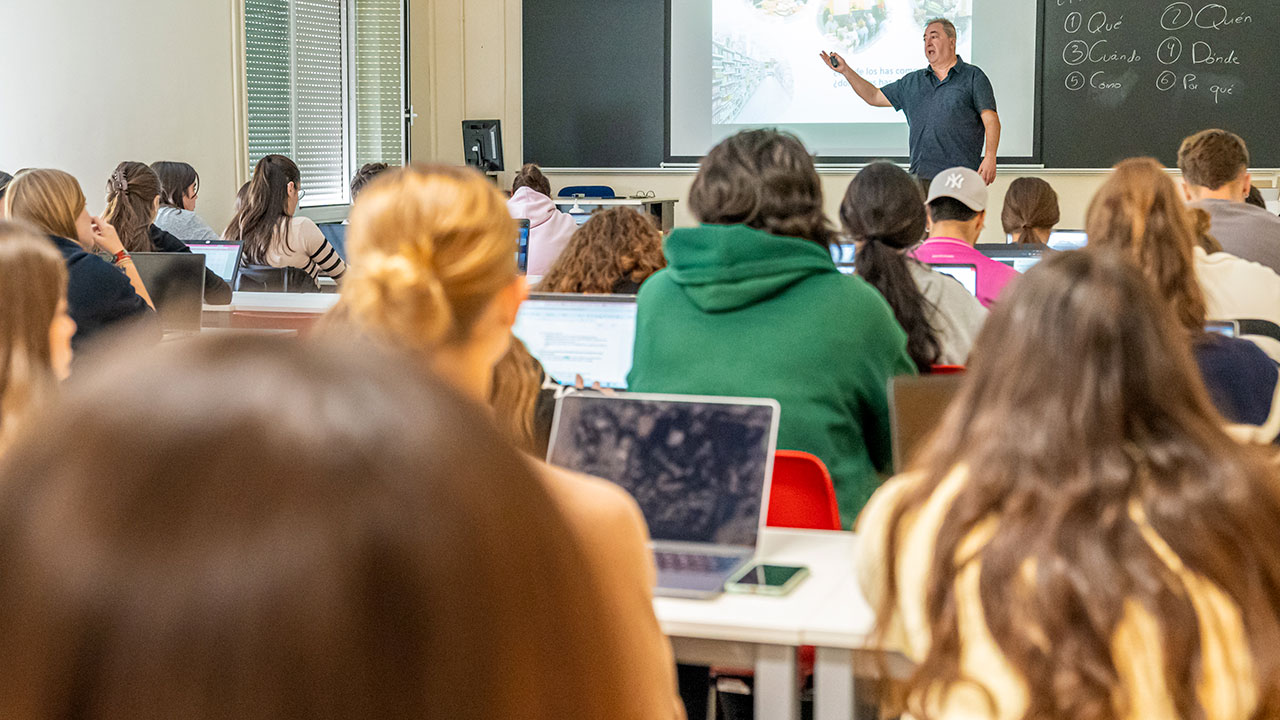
[(1212, 158), (883, 210), (132, 190), (365, 175), (949, 209), (1030, 210), (49, 200), (615, 247), (176, 178), (1069, 458), (763, 179), (531, 176), (431, 246), (33, 281), (264, 206), (289, 531), (517, 383), (1139, 213)]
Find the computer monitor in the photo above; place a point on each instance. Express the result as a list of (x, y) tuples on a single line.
[(1068, 239), (482, 144), (588, 335), (966, 274), (221, 258), (1019, 257)]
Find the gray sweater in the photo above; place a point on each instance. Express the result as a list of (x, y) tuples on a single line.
[(1244, 230), (185, 225)]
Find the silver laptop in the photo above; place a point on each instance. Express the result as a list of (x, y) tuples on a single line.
[(221, 258), (588, 335), (699, 467)]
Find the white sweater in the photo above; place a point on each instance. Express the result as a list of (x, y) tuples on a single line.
[(1236, 289)]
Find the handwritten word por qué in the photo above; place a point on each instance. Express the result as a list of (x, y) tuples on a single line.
[(1190, 82), (1078, 51)]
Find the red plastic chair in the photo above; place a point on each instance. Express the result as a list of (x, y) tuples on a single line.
[(801, 494), (946, 369)]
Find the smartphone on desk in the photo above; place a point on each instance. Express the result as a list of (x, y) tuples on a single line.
[(764, 579)]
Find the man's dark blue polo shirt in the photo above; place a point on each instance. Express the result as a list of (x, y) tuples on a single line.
[(945, 116)]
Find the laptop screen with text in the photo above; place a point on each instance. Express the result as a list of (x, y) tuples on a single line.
[(588, 335)]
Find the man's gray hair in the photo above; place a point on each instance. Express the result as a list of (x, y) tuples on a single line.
[(947, 26)]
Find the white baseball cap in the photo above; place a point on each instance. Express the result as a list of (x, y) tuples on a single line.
[(962, 184)]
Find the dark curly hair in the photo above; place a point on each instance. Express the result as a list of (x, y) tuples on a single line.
[(764, 179), (616, 247)]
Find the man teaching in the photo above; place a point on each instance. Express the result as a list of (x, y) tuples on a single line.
[(950, 106)]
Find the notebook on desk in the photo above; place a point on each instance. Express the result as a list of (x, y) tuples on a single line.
[(699, 468)]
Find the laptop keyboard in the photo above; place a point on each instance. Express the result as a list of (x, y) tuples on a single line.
[(694, 562)]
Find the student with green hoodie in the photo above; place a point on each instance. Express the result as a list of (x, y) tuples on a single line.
[(751, 304)]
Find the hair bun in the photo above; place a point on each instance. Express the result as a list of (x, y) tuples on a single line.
[(406, 297)]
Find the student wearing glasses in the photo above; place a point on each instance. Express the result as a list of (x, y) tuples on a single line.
[(274, 236)]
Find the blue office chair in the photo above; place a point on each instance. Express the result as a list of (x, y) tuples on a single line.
[(603, 192)]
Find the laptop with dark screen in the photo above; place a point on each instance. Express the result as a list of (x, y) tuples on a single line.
[(699, 468)]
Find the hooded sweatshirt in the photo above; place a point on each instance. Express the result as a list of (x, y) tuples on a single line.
[(549, 229), (744, 313)]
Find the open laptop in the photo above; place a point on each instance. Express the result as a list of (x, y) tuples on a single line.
[(588, 335), (699, 467), (916, 406), (522, 245), (221, 258), (175, 282), (1068, 239), (966, 274), (1019, 257)]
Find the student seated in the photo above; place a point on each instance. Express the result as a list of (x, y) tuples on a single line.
[(365, 175), (1030, 212), (1236, 289), (752, 305), (549, 229), (434, 276), (613, 252), (523, 398), (957, 206), (99, 296), (35, 329), (883, 212), (1215, 178), (4, 185), (274, 237), (179, 189), (1137, 213), (1081, 538), (255, 527), (133, 197)]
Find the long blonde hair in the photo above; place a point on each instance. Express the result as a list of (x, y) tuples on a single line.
[(51, 200), (431, 246), (517, 384), (33, 280)]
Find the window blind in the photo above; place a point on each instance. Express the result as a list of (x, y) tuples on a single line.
[(325, 86)]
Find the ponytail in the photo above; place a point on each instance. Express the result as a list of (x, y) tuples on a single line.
[(132, 190), (884, 211), (263, 208)]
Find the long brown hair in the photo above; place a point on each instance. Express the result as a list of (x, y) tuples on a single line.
[(1139, 213), (1060, 456), (50, 200), (33, 280), (346, 539), (431, 246), (517, 384), (615, 246), (132, 190), (264, 211), (1030, 206), (175, 179)]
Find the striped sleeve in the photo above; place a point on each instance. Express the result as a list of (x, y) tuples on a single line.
[(323, 259)]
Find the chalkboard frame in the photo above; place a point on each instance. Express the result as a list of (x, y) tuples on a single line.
[(1037, 121)]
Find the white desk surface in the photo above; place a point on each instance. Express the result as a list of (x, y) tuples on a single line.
[(277, 302), (613, 201), (790, 619)]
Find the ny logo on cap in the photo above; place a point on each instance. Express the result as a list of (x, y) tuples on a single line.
[(955, 180)]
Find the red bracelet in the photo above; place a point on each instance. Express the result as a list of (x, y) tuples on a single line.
[(121, 257)]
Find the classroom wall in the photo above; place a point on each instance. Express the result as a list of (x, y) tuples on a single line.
[(476, 46), (87, 84)]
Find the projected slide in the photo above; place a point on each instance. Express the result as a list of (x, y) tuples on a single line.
[(764, 55)]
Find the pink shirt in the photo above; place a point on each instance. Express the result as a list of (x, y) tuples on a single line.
[(993, 275)]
